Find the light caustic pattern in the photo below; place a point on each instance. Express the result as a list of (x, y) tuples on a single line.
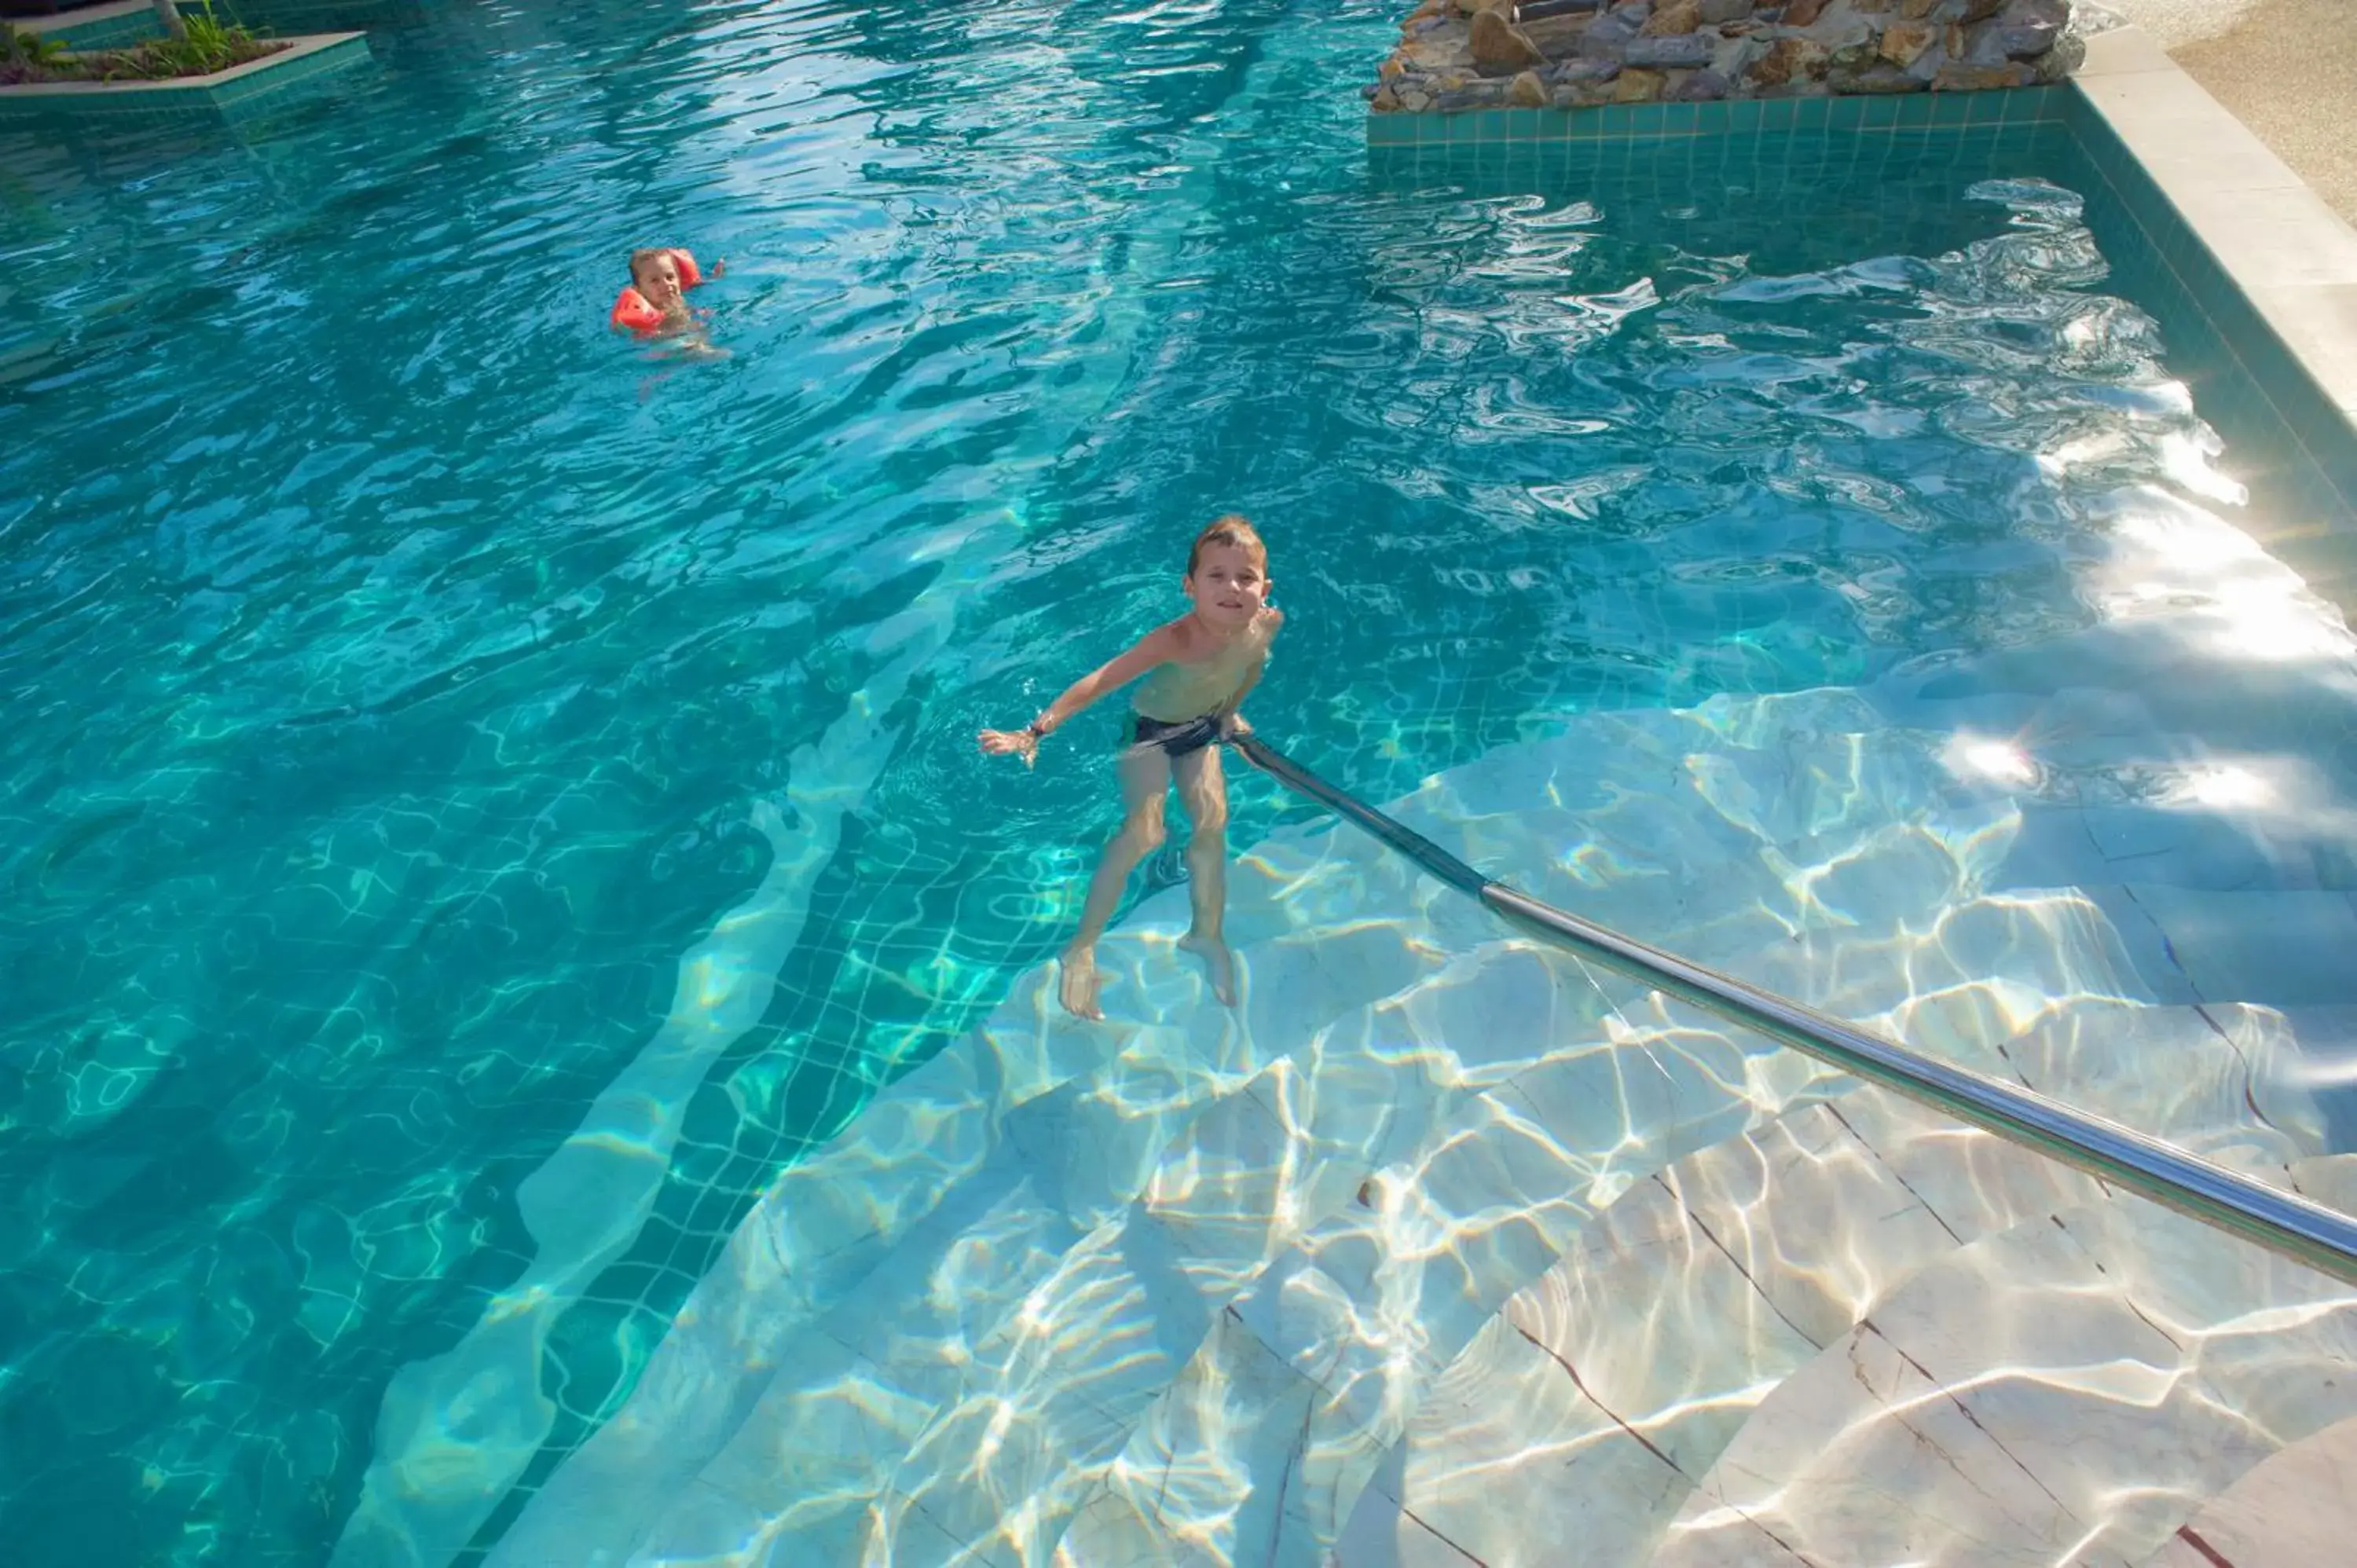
[(382, 752), (1441, 1222)]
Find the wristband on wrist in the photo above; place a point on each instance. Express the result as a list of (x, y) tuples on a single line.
[(1036, 730)]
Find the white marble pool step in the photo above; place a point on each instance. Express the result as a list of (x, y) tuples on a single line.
[(942, 1141), (1326, 921), (2286, 948), (1341, 1349), (2070, 1389), (1257, 1449), (1019, 1248), (2228, 878), (2173, 782), (1408, 1057), (994, 1338), (2296, 1508), (1587, 1410)]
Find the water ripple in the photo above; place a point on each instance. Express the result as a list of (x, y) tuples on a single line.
[(387, 708)]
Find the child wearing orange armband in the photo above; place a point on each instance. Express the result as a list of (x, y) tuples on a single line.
[(653, 304)]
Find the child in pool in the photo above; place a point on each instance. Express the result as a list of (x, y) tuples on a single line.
[(653, 304), (1198, 668)]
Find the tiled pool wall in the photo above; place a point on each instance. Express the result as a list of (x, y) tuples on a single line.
[(2286, 436), (1647, 124), (1792, 154)]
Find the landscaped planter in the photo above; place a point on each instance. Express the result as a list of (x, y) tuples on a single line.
[(236, 93)]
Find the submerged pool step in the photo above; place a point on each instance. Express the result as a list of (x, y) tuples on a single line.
[(1259, 1450), (987, 1361), (927, 1142), (1325, 920), (1649, 1108), (2228, 1082), (2169, 783), (934, 1339), (2296, 1509), (2070, 1389), (1587, 1409), (1337, 1350), (2286, 948), (1590, 1407)]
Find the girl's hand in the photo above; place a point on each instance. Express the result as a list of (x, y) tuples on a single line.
[(1022, 742), (719, 265)]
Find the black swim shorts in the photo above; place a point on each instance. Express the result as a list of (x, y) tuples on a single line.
[(1178, 737)]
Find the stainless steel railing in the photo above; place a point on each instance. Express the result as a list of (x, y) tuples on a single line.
[(2282, 1221)]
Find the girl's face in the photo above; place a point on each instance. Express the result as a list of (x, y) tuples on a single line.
[(658, 280), (1229, 585)]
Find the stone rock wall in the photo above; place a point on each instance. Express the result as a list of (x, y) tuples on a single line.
[(1495, 54)]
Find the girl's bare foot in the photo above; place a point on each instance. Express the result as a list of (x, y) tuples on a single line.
[(1080, 981), (1218, 960)]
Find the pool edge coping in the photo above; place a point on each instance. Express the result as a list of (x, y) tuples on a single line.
[(2281, 244)]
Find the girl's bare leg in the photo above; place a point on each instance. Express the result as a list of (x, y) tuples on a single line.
[(1144, 773), (1203, 791)]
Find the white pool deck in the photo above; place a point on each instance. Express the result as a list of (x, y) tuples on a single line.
[(2288, 68)]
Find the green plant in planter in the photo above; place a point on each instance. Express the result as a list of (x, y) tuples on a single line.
[(29, 56), (202, 46)]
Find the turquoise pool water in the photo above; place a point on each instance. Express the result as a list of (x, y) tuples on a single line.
[(404, 677)]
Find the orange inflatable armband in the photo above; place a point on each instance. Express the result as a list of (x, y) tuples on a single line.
[(632, 311)]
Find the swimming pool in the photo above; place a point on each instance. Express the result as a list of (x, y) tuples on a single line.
[(398, 666)]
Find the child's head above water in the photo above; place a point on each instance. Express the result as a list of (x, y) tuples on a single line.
[(1227, 571), (1232, 530), (653, 262), (655, 275), (653, 304)]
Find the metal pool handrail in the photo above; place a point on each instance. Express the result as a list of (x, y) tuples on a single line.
[(2282, 1221)]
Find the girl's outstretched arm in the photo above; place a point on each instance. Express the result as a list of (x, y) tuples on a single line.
[(1156, 648)]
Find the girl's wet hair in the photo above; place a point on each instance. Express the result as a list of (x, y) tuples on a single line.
[(650, 253), (1231, 528)]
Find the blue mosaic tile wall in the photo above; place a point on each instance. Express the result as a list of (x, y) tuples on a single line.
[(1641, 123)]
